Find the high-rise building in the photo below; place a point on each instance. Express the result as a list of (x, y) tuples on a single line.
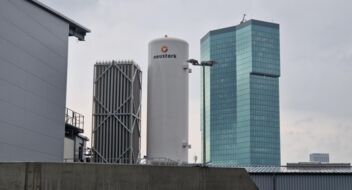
[(242, 94), (116, 112), (33, 76), (319, 157)]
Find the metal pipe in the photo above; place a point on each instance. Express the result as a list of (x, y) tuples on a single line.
[(203, 64), (204, 125)]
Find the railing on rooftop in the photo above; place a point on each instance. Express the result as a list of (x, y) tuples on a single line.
[(73, 118)]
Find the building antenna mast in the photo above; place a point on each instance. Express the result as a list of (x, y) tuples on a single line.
[(243, 18)]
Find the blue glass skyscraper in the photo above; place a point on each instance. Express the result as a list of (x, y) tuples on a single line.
[(242, 94)]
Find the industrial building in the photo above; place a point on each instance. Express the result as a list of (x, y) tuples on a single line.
[(116, 125), (242, 123), (33, 75), (167, 121), (299, 176), (75, 143), (303, 177)]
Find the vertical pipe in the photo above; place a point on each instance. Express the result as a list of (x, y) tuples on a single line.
[(108, 106), (100, 111), (131, 112), (122, 117), (114, 107), (119, 124), (204, 125), (103, 127)]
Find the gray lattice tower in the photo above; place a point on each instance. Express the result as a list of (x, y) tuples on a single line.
[(116, 112)]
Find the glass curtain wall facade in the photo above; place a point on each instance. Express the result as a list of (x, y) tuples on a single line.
[(242, 94)]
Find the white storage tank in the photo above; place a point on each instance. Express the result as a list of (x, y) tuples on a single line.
[(167, 122)]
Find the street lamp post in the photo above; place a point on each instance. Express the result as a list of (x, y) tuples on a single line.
[(203, 64)]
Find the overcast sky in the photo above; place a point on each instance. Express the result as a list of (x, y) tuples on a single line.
[(316, 60)]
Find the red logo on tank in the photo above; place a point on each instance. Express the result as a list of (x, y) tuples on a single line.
[(164, 49)]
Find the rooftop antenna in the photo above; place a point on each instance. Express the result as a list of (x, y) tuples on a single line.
[(243, 19)]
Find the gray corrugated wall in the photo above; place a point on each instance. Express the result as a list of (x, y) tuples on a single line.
[(264, 182), (33, 70), (116, 112), (303, 181)]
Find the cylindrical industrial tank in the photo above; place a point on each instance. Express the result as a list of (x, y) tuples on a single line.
[(167, 117)]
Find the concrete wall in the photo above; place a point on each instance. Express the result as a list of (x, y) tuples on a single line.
[(50, 176), (33, 69)]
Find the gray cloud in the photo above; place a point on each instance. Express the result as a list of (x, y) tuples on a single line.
[(304, 120), (326, 134)]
